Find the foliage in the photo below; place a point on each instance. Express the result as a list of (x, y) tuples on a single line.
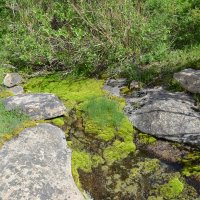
[(104, 112), (10, 120), (138, 39)]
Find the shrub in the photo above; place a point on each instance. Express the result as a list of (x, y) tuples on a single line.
[(104, 112)]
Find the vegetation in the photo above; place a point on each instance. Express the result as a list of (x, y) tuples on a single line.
[(172, 189), (104, 111), (143, 40), (11, 123)]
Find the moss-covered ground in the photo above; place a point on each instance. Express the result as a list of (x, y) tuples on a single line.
[(104, 155), (100, 114)]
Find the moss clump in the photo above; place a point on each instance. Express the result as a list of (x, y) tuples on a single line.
[(118, 151), (172, 189), (148, 166), (146, 139), (4, 93), (58, 121), (70, 90), (191, 164), (83, 161)]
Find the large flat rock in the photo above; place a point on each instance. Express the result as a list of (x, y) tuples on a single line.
[(189, 79), (37, 106), (171, 116), (37, 166)]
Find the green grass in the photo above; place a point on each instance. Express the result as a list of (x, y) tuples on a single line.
[(10, 120), (104, 112)]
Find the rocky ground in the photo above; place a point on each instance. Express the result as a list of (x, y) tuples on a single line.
[(156, 157)]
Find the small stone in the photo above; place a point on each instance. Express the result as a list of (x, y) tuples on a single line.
[(17, 90), (189, 80), (12, 79)]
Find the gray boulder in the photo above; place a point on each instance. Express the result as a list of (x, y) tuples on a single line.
[(189, 80), (37, 106), (17, 90), (12, 79), (37, 165), (171, 116)]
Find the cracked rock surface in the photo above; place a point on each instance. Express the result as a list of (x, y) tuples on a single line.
[(171, 116)]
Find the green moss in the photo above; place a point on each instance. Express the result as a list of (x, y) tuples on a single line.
[(84, 161), (125, 90), (70, 90), (4, 93), (190, 163), (172, 189), (102, 133), (148, 166), (119, 150), (58, 121), (146, 139)]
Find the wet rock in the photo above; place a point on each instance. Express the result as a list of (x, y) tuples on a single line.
[(12, 79), (37, 106), (37, 165), (17, 90), (171, 116), (113, 86), (189, 79)]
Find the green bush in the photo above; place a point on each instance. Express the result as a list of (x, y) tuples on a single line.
[(134, 38)]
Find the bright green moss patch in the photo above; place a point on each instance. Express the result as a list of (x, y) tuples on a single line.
[(172, 189), (118, 151), (146, 139), (83, 161), (58, 121), (4, 93), (70, 90), (104, 133)]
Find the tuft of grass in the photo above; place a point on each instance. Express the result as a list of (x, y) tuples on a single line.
[(104, 112), (10, 120)]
